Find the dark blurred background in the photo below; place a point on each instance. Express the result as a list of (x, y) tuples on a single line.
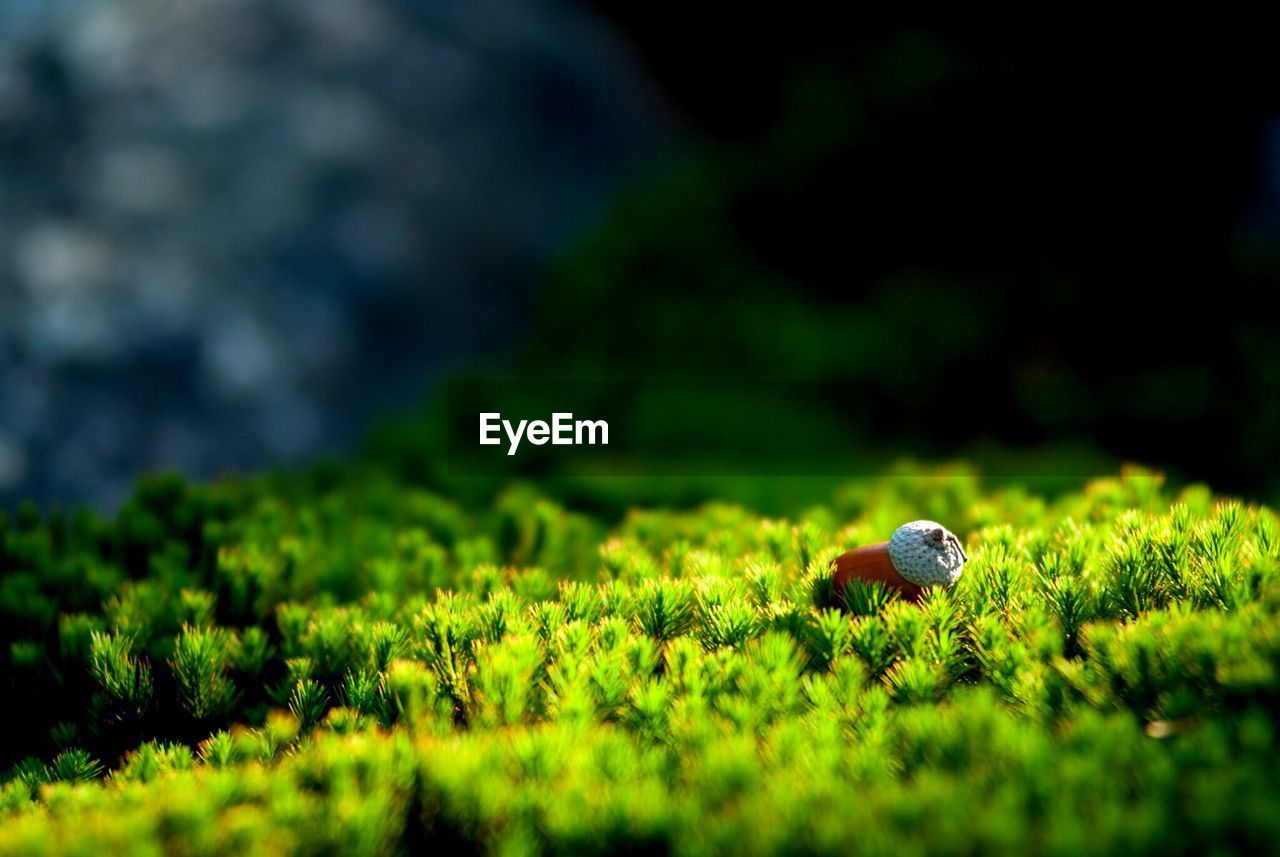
[(234, 233)]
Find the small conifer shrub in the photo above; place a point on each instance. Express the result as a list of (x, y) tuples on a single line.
[(351, 664)]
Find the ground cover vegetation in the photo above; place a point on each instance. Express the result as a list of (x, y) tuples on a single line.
[(339, 661)]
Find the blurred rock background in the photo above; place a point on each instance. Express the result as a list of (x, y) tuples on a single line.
[(232, 231)]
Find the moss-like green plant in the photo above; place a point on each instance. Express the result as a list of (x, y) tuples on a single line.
[(123, 680), (201, 657), (74, 766), (359, 665)]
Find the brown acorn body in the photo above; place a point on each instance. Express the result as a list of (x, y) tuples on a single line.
[(871, 562)]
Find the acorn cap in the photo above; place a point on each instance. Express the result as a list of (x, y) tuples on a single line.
[(927, 553)]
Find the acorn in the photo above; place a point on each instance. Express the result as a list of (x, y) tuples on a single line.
[(918, 554)]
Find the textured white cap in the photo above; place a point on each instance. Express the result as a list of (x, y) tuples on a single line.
[(927, 553)]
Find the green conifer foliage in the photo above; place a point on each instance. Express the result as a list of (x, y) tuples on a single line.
[(353, 665)]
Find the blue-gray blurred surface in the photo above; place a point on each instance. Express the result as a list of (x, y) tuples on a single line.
[(232, 231)]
